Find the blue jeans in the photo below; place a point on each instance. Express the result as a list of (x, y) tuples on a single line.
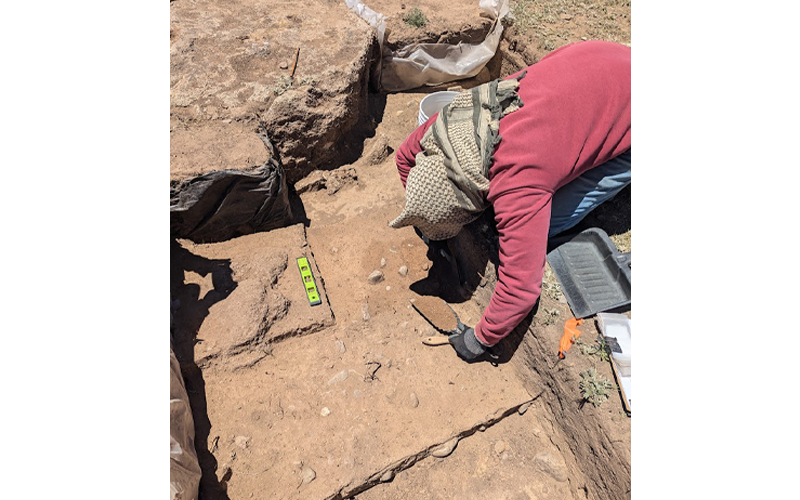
[(575, 200)]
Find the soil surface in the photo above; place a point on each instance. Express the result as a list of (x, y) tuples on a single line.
[(342, 399)]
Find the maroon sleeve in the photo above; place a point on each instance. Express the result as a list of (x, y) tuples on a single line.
[(405, 158), (523, 221)]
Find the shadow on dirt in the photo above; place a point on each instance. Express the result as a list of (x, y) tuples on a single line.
[(188, 318), (459, 273)]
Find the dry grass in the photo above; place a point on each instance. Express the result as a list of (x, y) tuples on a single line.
[(553, 23)]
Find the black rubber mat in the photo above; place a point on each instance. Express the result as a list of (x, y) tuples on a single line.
[(595, 277)]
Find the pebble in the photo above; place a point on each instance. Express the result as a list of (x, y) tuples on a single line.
[(387, 476), (413, 400), (522, 409), (445, 449), (403, 270), (242, 441), (383, 262), (426, 266), (325, 411), (284, 65), (335, 249), (499, 447), (340, 346), (307, 475), (375, 277), (388, 288), (339, 377), (482, 428), (552, 465), (365, 312)]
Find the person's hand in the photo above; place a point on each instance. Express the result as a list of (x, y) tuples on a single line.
[(466, 344)]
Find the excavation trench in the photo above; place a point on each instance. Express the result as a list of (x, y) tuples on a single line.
[(278, 386)]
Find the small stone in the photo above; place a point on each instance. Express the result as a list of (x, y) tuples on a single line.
[(499, 447), (388, 288), (379, 150), (482, 428), (445, 449), (383, 262), (307, 474), (335, 249), (284, 65), (552, 465), (375, 277), (339, 377), (242, 441), (365, 312), (522, 409), (413, 400), (340, 346), (325, 411), (387, 476), (426, 266), (403, 6), (403, 270)]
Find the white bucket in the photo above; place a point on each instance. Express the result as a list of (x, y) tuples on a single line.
[(433, 103)]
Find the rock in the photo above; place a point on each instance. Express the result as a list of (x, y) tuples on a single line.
[(403, 270), (426, 266), (383, 262), (307, 475), (522, 409), (340, 346), (375, 277), (365, 312), (387, 476), (413, 400), (499, 447), (339, 377), (482, 428), (445, 449), (552, 465), (284, 65), (315, 181), (334, 249), (242, 441), (379, 151), (388, 288), (325, 411)]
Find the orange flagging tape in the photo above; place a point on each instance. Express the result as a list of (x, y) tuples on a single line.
[(571, 333)]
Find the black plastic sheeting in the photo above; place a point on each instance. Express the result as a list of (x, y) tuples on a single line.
[(224, 204), (594, 276)]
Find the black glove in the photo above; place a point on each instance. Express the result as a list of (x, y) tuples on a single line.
[(466, 344)]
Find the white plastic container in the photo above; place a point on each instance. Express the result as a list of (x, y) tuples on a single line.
[(433, 103), (618, 326)]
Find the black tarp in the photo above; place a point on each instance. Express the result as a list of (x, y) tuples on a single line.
[(225, 204)]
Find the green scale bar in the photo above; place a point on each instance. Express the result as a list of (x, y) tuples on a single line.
[(308, 281)]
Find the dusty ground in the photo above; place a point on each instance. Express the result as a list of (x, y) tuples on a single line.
[(343, 400)]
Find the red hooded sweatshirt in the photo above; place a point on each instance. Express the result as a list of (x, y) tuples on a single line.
[(576, 116)]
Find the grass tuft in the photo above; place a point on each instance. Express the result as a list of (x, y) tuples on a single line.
[(416, 18)]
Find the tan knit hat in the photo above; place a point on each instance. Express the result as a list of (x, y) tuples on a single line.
[(431, 202)]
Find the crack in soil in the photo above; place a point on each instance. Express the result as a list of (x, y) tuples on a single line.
[(410, 460)]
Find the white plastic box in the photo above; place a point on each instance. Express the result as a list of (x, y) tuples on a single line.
[(618, 326)]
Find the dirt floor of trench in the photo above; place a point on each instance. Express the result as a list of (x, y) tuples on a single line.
[(359, 400)]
